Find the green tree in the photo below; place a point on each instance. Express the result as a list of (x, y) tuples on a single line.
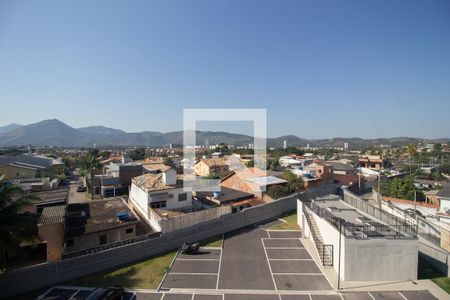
[(250, 163), (105, 154), (15, 228), (444, 168), (169, 162), (88, 163), (295, 183), (412, 154)]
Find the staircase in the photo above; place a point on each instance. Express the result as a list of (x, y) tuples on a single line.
[(325, 251)]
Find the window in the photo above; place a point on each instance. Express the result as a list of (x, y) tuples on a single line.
[(102, 239), (182, 197), (69, 243), (129, 230), (159, 204)]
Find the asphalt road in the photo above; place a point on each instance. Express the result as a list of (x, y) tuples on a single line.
[(74, 196)]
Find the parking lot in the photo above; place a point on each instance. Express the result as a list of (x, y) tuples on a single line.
[(254, 263), (251, 259), (66, 293)]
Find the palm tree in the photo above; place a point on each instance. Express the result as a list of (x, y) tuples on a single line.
[(15, 227), (412, 153), (89, 163)]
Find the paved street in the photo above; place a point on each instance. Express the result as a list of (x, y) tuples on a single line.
[(74, 196)]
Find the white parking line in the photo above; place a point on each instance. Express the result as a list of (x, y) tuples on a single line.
[(193, 294), (401, 295), (289, 230), (220, 261), (198, 259), (371, 296), (284, 248), (168, 270), (291, 259), (210, 274), (315, 274), (270, 268)]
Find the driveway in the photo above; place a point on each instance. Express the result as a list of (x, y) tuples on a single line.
[(74, 196)]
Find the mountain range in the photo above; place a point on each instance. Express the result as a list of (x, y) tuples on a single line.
[(56, 133)]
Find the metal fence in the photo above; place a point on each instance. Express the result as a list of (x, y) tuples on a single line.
[(393, 228), (111, 245)]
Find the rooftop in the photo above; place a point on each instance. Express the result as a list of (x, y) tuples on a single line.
[(444, 192), (266, 180), (52, 215), (154, 182), (94, 216), (56, 195), (356, 223), (29, 160), (226, 195), (210, 162)]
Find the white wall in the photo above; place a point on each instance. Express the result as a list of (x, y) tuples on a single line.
[(377, 259), (381, 259), (172, 202), (445, 205), (330, 236), (139, 199), (155, 221), (170, 177)]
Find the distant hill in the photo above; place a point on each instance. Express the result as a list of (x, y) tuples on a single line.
[(100, 130), (56, 133), (9, 127)]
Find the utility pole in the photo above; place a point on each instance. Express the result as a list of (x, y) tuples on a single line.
[(359, 180), (92, 183), (339, 262), (379, 190), (415, 205)]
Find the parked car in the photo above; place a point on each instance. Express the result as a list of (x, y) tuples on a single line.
[(111, 293), (190, 248), (81, 188)]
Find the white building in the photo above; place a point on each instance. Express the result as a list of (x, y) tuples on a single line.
[(158, 194), (367, 249)]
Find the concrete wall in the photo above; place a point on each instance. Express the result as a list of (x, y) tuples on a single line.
[(92, 240), (172, 202), (139, 200), (330, 236), (172, 224), (47, 274), (53, 235), (438, 257), (13, 172), (435, 255), (380, 259)]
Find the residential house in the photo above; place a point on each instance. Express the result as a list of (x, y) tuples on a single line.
[(211, 166), (228, 196), (30, 166), (163, 190), (65, 229), (97, 223), (251, 180), (444, 204), (372, 162)]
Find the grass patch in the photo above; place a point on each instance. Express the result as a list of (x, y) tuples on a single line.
[(146, 274), (427, 271), (215, 241), (290, 223)]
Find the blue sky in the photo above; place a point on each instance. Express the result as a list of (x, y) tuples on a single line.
[(320, 68)]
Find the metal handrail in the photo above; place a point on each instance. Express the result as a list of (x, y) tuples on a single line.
[(365, 230)]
